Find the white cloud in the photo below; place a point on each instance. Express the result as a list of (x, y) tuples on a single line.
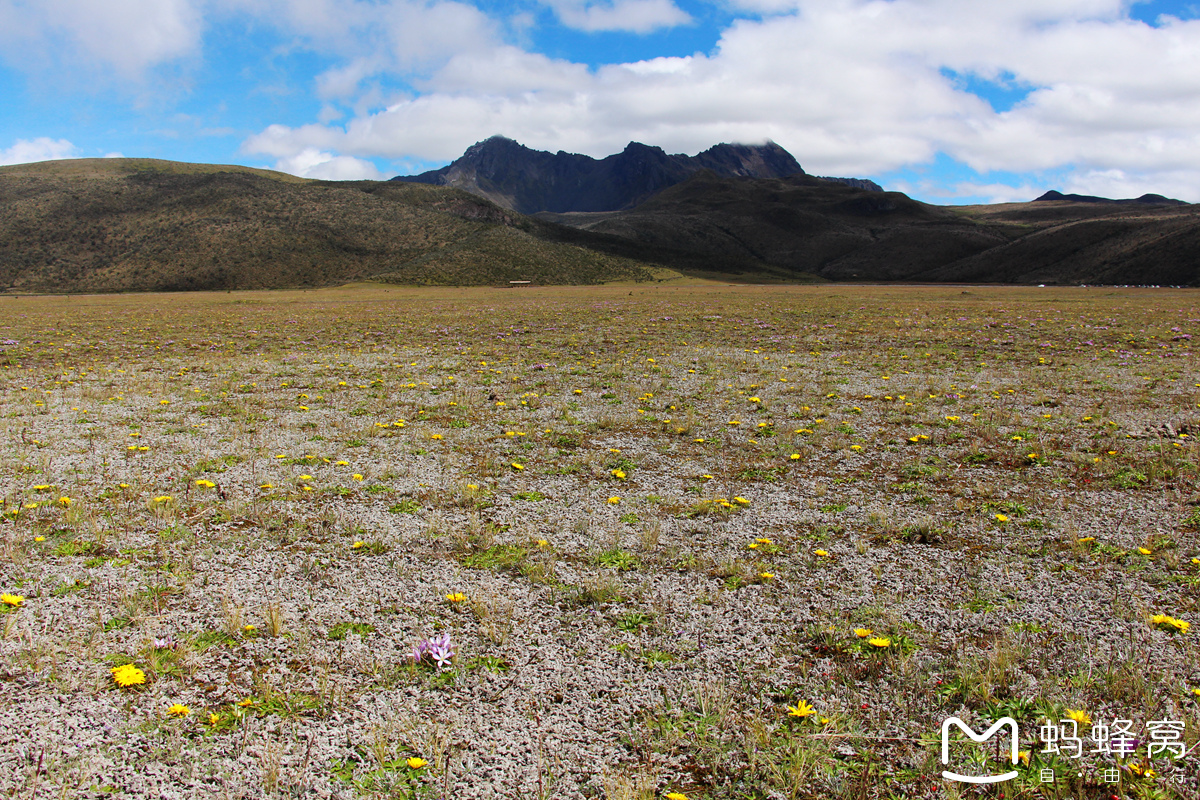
[(850, 87), (853, 87), (26, 151), (124, 36), (637, 16), (313, 163), (1118, 183)]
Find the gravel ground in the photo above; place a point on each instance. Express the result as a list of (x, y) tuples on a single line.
[(970, 478)]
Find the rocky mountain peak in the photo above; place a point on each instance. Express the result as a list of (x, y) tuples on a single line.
[(530, 181)]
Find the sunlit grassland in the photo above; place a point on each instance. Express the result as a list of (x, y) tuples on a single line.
[(666, 510)]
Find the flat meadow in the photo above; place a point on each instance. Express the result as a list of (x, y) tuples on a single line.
[(622, 542)]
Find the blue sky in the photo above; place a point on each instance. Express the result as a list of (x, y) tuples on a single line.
[(948, 100)]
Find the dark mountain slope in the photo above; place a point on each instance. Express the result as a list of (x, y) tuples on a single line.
[(801, 224), (528, 181), (1146, 199), (1085, 242), (843, 233)]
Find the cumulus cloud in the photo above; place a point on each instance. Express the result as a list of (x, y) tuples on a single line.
[(313, 163), (26, 151), (853, 87), (637, 16)]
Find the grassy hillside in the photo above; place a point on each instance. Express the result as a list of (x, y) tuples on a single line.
[(799, 225), (140, 224), (103, 225), (1066, 242), (839, 233)]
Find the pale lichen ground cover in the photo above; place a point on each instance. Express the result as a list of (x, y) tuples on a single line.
[(656, 525)]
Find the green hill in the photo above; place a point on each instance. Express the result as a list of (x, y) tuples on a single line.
[(145, 225)]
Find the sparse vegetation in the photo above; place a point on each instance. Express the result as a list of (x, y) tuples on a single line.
[(228, 522)]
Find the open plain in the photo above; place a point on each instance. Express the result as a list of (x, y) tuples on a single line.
[(711, 541)]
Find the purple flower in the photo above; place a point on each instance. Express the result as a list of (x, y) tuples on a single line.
[(439, 649)]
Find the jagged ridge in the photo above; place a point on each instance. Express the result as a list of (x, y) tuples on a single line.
[(528, 181)]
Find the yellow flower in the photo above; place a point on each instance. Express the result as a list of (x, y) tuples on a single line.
[(675, 796), (542, 543), (14, 600), (619, 474), (205, 484), (179, 710), (880, 641), (66, 501), (1079, 716), (1001, 518), (795, 456), (517, 466), (1196, 692), (416, 763), (456, 597), (862, 633), (213, 719), (128, 675), (267, 486), (1170, 624), (763, 541), (1086, 539), (766, 576), (856, 447), (822, 553), (249, 701), (306, 477), (358, 545), (802, 709), (1145, 551), (357, 476), (248, 629), (741, 501), (341, 463), (614, 500)]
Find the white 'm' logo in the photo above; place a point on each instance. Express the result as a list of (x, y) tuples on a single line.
[(977, 737)]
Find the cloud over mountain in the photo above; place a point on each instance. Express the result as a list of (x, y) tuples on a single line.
[(1080, 94)]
